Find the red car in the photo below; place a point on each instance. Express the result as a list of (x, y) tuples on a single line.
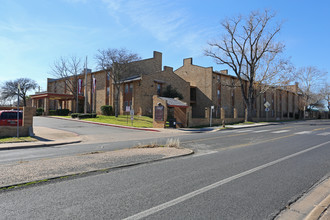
[(9, 118)]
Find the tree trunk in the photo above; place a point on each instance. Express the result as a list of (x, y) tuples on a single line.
[(249, 111), (24, 101), (249, 104), (117, 101)]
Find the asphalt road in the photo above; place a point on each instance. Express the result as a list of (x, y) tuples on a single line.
[(237, 174)]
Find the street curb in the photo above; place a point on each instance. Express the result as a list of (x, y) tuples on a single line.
[(255, 126), (319, 209), (37, 145), (104, 170), (104, 124)]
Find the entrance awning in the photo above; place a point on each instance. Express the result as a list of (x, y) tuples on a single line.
[(174, 102)]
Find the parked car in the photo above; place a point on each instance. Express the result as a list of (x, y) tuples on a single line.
[(9, 118)]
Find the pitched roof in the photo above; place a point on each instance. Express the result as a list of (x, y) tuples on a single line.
[(174, 102)]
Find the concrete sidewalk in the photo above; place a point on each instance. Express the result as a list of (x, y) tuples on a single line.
[(314, 205), (45, 137)]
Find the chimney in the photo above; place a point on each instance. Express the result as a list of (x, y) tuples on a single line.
[(187, 61), (168, 68), (224, 72)]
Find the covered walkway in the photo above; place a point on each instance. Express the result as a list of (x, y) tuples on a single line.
[(42, 100)]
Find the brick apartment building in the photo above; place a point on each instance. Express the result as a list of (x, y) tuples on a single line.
[(146, 78), (218, 89), (201, 87)]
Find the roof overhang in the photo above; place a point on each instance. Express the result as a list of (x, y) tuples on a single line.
[(55, 96), (175, 103)]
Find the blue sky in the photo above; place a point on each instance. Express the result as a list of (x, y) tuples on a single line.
[(34, 33)]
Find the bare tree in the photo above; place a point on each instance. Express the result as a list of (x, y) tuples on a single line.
[(10, 88), (68, 69), (116, 62), (326, 93), (249, 48), (311, 80)]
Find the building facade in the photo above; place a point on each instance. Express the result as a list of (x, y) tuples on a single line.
[(223, 92), (206, 92), (144, 79)]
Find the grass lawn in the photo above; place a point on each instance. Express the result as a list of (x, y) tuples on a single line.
[(16, 140), (138, 122)]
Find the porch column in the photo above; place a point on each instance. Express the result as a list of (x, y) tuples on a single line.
[(46, 106), (33, 103)]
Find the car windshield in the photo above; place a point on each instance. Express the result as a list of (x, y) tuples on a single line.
[(10, 115)]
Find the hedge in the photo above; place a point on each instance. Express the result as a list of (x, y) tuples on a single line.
[(107, 110), (80, 116), (39, 111), (62, 112)]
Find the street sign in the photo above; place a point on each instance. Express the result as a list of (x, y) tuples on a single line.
[(267, 109), (267, 104)]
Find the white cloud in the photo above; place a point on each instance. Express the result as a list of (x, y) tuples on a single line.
[(166, 21)]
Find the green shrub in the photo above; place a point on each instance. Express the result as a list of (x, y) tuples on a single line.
[(39, 111), (74, 115), (88, 115), (62, 112), (107, 110), (52, 112)]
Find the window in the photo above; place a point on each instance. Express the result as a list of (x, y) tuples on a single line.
[(108, 91), (131, 87), (159, 89), (126, 88)]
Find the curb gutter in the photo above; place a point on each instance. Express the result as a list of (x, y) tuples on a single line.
[(312, 205), (32, 145), (321, 208)]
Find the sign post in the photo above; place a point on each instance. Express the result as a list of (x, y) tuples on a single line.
[(132, 115), (212, 107), (128, 109), (267, 104)]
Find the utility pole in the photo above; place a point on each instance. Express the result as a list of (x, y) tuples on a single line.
[(18, 91)]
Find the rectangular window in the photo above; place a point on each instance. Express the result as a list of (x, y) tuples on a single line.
[(126, 88), (131, 87), (159, 89)]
